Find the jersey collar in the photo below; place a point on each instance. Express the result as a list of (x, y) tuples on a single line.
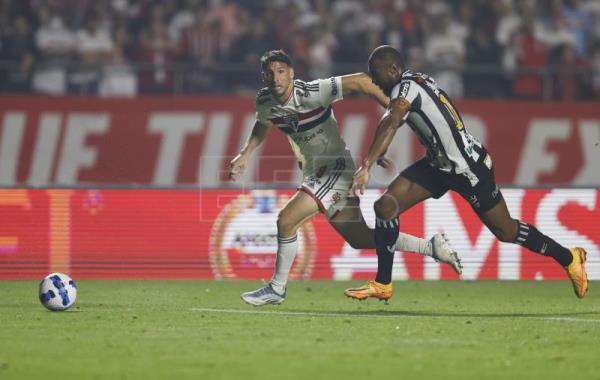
[(289, 97)]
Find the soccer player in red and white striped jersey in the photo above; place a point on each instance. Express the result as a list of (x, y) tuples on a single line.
[(302, 110)]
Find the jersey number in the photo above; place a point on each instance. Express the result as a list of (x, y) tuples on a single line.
[(468, 142), (459, 124)]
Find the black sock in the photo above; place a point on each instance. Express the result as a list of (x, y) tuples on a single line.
[(386, 234), (529, 237)]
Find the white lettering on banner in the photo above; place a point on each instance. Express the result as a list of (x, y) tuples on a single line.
[(10, 146), (250, 175), (37, 136), (45, 149), (509, 255), (350, 261), (441, 215), (173, 128), (589, 134), (476, 127), (548, 223), (535, 160), (213, 151), (75, 155)]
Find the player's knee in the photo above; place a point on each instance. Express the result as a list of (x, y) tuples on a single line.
[(386, 207), (504, 234), (286, 224), (357, 243)]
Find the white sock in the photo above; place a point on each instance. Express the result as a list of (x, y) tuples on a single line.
[(286, 253), (410, 243)]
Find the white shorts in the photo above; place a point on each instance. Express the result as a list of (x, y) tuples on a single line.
[(329, 184)]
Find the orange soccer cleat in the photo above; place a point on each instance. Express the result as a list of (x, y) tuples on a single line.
[(576, 272), (371, 289)]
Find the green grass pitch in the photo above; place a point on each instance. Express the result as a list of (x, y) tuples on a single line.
[(202, 330)]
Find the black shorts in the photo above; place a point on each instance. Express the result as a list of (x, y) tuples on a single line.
[(482, 197)]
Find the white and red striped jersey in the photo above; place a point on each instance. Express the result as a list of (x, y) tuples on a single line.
[(307, 119)]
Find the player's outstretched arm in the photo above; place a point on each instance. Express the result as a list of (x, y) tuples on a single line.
[(384, 135), (363, 84), (257, 136), (386, 130)]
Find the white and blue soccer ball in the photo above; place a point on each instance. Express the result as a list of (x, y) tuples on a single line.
[(58, 292)]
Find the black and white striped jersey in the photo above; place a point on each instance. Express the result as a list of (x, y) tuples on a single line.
[(307, 119), (438, 125)]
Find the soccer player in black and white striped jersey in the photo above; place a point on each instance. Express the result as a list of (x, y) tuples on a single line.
[(455, 160)]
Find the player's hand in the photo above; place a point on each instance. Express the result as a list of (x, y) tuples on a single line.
[(360, 180), (237, 166), (385, 162)]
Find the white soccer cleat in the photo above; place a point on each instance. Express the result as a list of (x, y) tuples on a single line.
[(263, 296), (441, 250)]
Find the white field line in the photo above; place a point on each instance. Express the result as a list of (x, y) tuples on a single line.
[(375, 315)]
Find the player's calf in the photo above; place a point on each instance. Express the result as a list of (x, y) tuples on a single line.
[(386, 207), (531, 238), (386, 235), (573, 260), (507, 233)]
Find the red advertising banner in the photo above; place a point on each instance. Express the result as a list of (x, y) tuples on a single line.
[(231, 234), (166, 141)]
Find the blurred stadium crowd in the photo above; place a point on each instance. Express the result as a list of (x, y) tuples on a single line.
[(525, 49)]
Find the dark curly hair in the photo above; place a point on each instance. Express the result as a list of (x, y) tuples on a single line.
[(274, 56)]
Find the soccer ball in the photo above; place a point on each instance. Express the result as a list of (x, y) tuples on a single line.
[(57, 292)]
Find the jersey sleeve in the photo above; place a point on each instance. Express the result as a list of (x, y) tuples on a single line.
[(329, 90), (262, 114), (405, 89), (262, 110)]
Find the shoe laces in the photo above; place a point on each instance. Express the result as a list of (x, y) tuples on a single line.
[(374, 284), (445, 245), (264, 290)]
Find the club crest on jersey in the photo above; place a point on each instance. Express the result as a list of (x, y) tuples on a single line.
[(292, 120), (335, 198)]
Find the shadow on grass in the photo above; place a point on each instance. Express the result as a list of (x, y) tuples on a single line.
[(430, 314)]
